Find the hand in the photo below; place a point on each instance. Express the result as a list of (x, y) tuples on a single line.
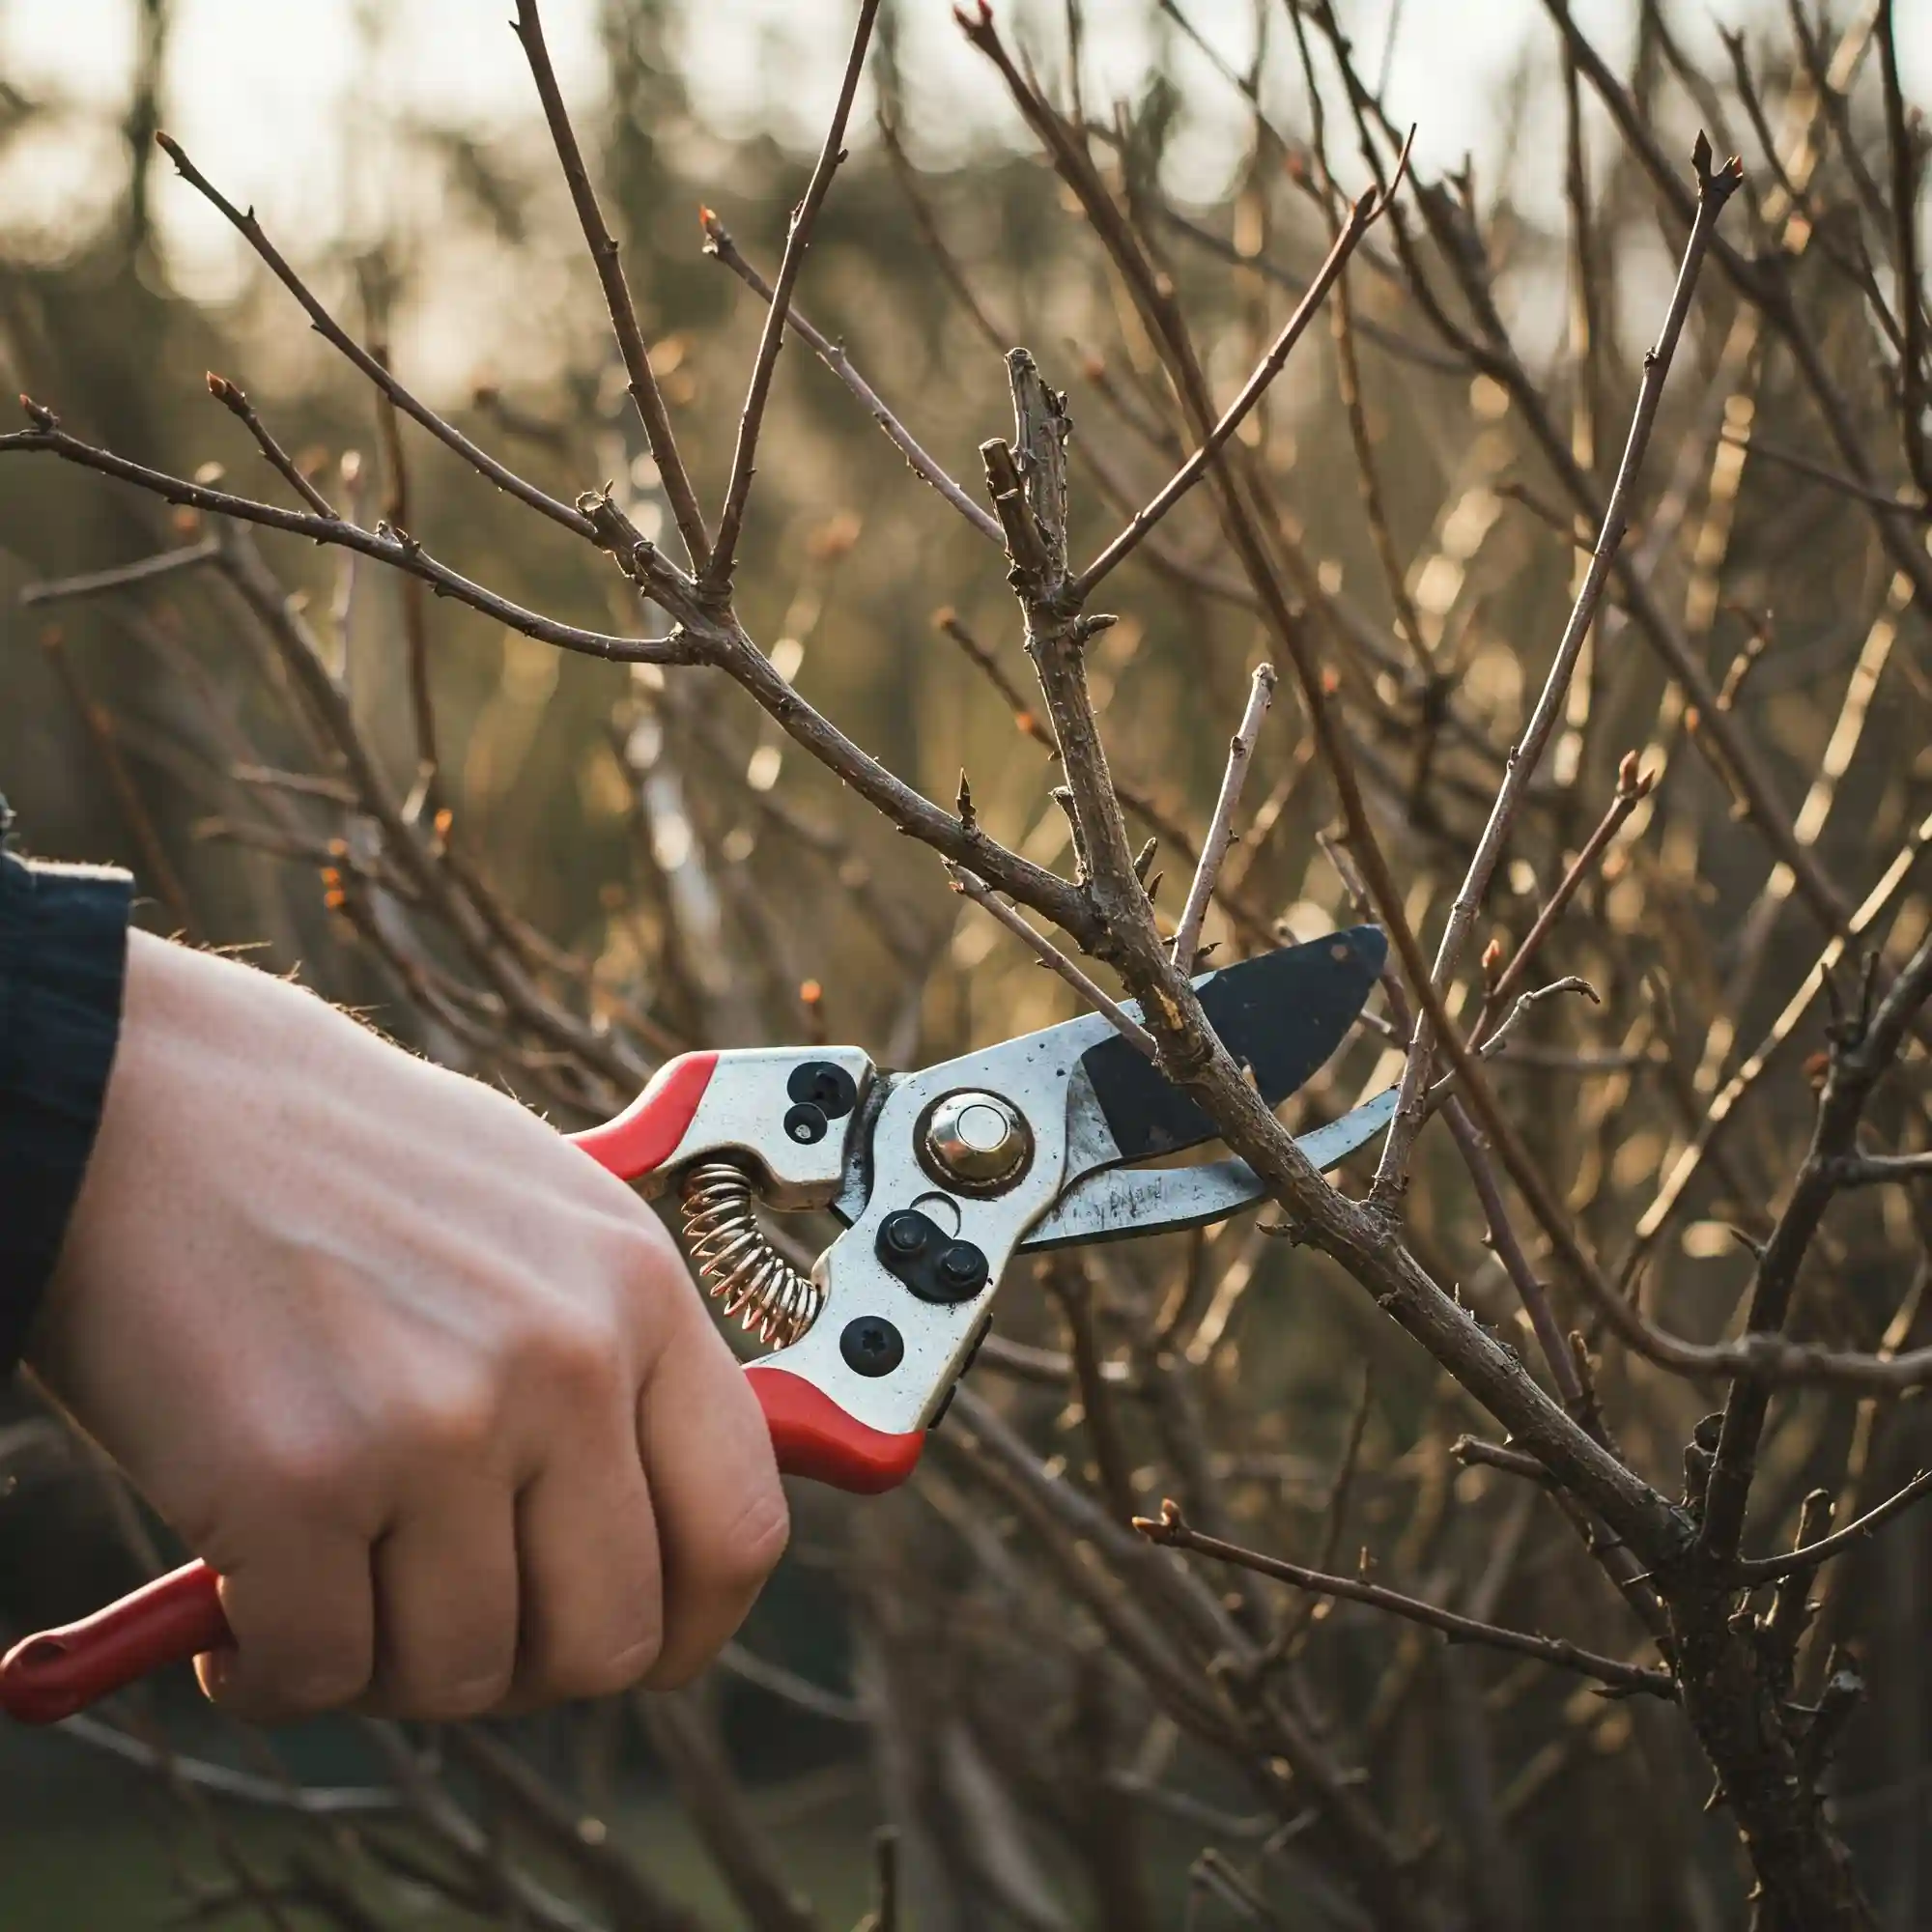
[(430, 1390)]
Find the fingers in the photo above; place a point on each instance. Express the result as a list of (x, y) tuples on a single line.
[(720, 1510), (446, 1602), (302, 1609), (525, 1525), (587, 1551)]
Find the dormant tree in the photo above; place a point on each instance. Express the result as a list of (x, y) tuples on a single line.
[(1092, 1655)]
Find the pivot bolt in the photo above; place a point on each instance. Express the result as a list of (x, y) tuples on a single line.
[(978, 1139)]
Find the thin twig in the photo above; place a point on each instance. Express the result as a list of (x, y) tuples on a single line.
[(426, 792), (1052, 957), (99, 723), (717, 572), (233, 399), (122, 576), (395, 547), (1901, 141), (1872, 1170), (1864, 1048), (1809, 1555), (884, 1915), (1632, 789), (1221, 827), (641, 382), (1714, 191), (1026, 719), (332, 332), (1822, 473), (1171, 1528), (719, 245), (242, 1787), (1361, 218), (1498, 1040)]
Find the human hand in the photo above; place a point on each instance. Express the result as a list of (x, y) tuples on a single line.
[(430, 1390)]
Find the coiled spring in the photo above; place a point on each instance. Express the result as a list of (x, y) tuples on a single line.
[(737, 1264)]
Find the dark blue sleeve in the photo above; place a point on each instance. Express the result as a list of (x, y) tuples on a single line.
[(63, 959)]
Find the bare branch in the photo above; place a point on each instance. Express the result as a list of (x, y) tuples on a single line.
[(1360, 218), (395, 547), (1714, 191), (1221, 827), (1836, 479), (716, 573), (642, 383), (1498, 1040), (1053, 959), (1807, 1556), (332, 332), (98, 724), (1632, 790), (235, 401), (1862, 1049), (719, 245), (122, 576), (1628, 1679), (1872, 1170)]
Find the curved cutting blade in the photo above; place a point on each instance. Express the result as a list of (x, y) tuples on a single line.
[(1122, 1202), (1281, 1014)]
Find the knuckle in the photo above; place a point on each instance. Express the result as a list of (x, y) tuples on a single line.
[(603, 1671), (577, 1352), (313, 1473), (454, 1422), (447, 1700), (642, 1257), (751, 1546), (325, 1680)]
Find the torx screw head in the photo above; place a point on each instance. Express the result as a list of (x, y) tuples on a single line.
[(872, 1346)]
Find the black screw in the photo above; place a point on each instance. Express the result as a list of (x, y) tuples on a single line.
[(872, 1346), (904, 1233), (818, 1083), (805, 1123), (962, 1267)]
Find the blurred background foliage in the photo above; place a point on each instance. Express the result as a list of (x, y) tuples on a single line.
[(698, 871)]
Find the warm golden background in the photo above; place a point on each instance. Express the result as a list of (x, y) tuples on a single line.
[(957, 1662)]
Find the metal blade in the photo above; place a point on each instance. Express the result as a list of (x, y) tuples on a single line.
[(1282, 1013), (1120, 1202)]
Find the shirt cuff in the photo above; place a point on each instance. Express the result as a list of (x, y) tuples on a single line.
[(63, 964)]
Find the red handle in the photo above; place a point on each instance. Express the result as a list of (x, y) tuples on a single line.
[(51, 1676), (57, 1672)]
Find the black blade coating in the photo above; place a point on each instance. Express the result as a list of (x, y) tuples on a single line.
[(1281, 1013)]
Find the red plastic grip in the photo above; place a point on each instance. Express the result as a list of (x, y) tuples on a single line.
[(816, 1439), (646, 1133), (49, 1677)]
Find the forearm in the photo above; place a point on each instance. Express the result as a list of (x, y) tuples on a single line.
[(63, 962)]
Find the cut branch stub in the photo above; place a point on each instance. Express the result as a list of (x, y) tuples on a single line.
[(1041, 427)]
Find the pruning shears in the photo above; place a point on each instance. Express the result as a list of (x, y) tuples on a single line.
[(940, 1179)]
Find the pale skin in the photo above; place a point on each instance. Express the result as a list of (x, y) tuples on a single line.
[(430, 1390)]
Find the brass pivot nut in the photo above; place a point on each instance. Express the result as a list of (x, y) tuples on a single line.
[(977, 1141)]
